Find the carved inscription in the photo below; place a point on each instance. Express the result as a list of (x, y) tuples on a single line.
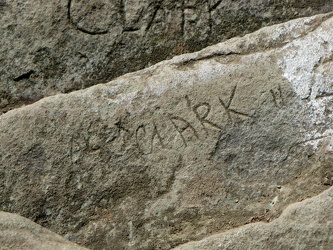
[(147, 136), (123, 133), (201, 111), (98, 17), (182, 126), (277, 96), (140, 133), (201, 120), (93, 17), (157, 135), (227, 108), (145, 142)]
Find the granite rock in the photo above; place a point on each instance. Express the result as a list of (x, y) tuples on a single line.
[(189, 147), (18, 233), (60, 46), (303, 225)]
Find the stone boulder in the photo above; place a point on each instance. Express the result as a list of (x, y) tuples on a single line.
[(304, 225), (48, 47), (189, 147), (18, 233)]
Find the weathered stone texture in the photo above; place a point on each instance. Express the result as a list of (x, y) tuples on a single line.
[(18, 233), (189, 147), (48, 47), (304, 225)]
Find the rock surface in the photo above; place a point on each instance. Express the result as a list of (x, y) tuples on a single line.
[(18, 233), (304, 225), (60, 46), (189, 147)]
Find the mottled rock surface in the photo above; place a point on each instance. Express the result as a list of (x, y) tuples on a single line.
[(18, 233), (48, 47), (304, 225), (192, 146)]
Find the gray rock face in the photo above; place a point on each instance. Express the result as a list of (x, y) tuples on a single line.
[(189, 147), (20, 233), (60, 46), (304, 225)]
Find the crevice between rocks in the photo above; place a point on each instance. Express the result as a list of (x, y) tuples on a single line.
[(197, 56), (257, 219), (18, 104)]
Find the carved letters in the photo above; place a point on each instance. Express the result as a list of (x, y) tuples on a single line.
[(201, 111), (181, 126), (149, 137), (277, 96), (145, 141), (227, 108)]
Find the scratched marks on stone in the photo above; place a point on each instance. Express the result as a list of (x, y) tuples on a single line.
[(145, 142), (277, 96), (94, 17), (227, 108), (197, 116), (195, 122), (201, 111), (101, 17)]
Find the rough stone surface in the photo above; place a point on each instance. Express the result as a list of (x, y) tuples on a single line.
[(189, 147), (49, 47), (304, 225), (18, 233)]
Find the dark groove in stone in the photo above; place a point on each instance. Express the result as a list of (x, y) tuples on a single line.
[(131, 29), (69, 9), (24, 76), (215, 5), (99, 32), (158, 5)]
